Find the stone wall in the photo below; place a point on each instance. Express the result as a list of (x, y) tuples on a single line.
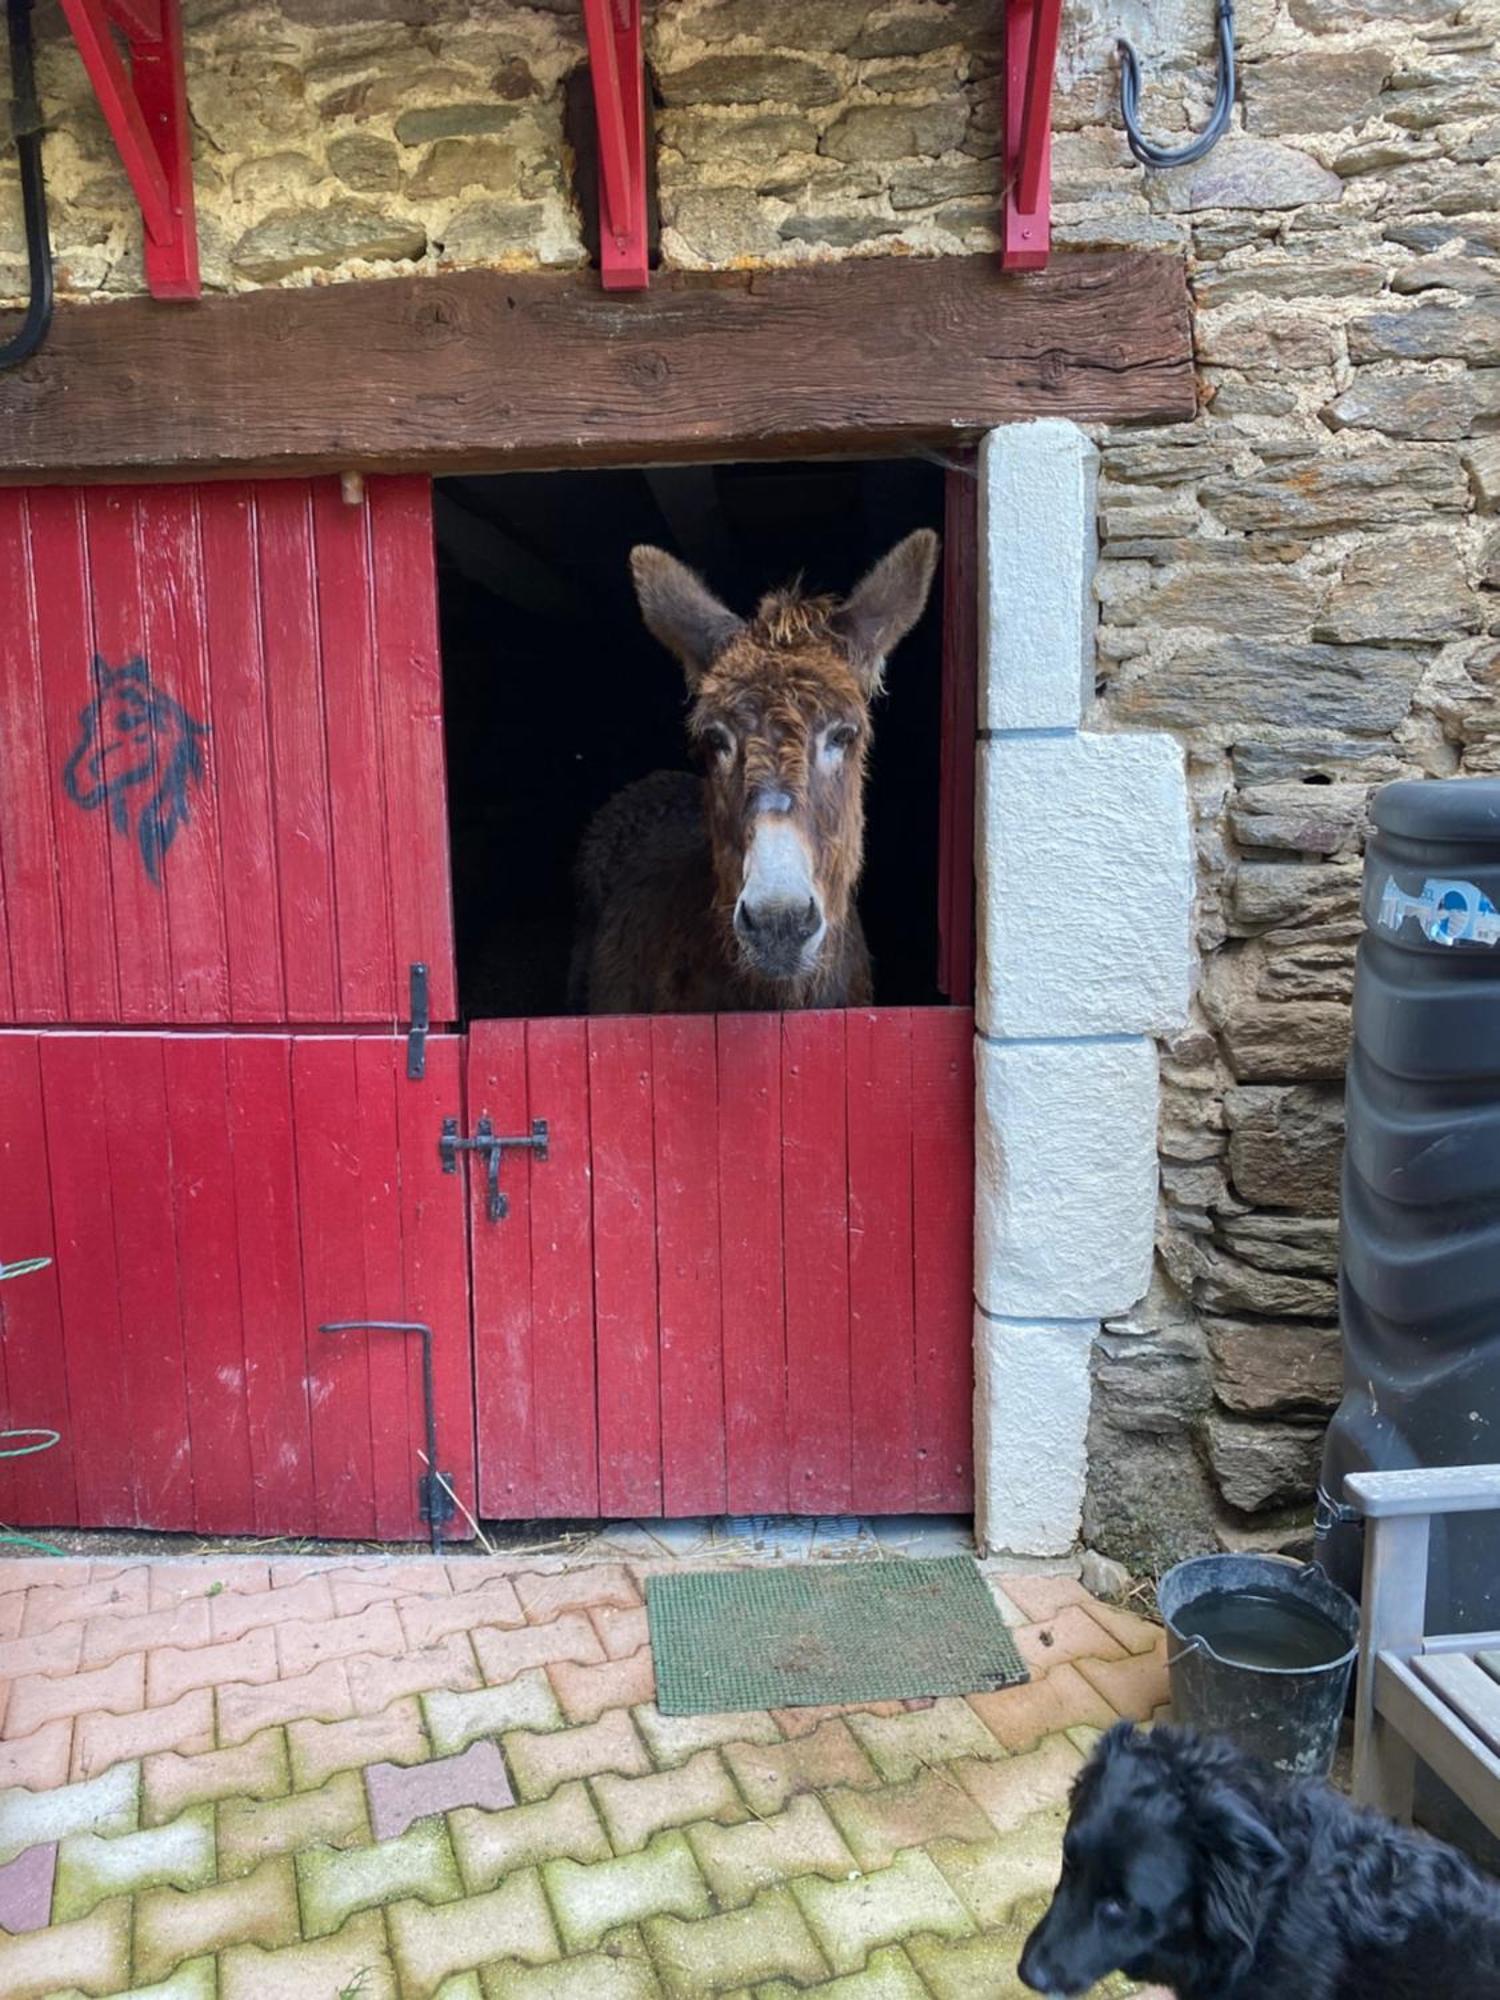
[(1300, 585)]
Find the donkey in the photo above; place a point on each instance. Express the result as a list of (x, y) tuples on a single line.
[(734, 891)]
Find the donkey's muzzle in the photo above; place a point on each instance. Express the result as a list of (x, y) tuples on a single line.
[(780, 939)]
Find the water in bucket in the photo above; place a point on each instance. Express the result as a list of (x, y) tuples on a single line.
[(1251, 1628)]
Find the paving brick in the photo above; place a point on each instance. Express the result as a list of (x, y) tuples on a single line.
[(26, 1886), (38, 1698), (58, 1651), (251, 1830), (376, 1683), (92, 1867), (74, 1604), (38, 1761), (768, 1775), (879, 1825), (740, 1861), (545, 1596), (185, 1725), (471, 1571), (850, 1919), (93, 1954), (358, 1585), (1043, 1596), (1136, 1635), (900, 1746), (303, 1645), (211, 1577), (258, 1909), (803, 1721), (399, 1796), (1134, 1687), (257, 1770), (321, 1696), (890, 1975), (397, 1736), (232, 1613), (335, 1882), (107, 1639), (978, 1968), (627, 1975), (1010, 1792), (1020, 1717), (173, 1670), (672, 1739), (12, 1608), (586, 1692), (1071, 1635), (590, 1901), (454, 1721), (107, 1804), (769, 1938), (636, 1808), (504, 1654), (623, 1632), (194, 1980), (991, 1877), (428, 1619), (490, 1845), (355, 1961), (539, 1763), (430, 1945)]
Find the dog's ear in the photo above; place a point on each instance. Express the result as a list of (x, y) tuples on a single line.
[(1241, 1857)]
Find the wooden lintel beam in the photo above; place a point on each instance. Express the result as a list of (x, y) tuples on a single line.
[(487, 371)]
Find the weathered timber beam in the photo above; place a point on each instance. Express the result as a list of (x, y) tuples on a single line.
[(485, 371)]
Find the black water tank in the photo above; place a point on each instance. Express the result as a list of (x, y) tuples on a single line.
[(1419, 1276)]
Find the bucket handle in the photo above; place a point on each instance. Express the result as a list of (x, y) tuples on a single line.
[(1197, 1644)]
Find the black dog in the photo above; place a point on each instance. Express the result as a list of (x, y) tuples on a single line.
[(1190, 1866)]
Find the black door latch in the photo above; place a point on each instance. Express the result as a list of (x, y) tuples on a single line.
[(493, 1146)]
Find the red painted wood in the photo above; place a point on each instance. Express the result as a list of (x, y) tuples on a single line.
[(262, 1167), (816, 1224), (40, 1490), (684, 1066), (958, 748), (562, 1270), (504, 1362), (209, 1252), (750, 1249), (240, 756), (392, 1471), (362, 826), (31, 964), (624, 1186), (411, 691), (943, 1217), (173, 631), (882, 1352)]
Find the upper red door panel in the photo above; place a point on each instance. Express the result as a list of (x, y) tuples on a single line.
[(221, 765)]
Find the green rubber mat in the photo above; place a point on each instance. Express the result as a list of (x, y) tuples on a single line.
[(828, 1632)]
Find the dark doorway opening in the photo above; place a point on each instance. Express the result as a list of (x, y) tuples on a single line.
[(555, 694)]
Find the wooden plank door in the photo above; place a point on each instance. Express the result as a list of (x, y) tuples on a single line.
[(209, 1202), (742, 1278), (221, 771)]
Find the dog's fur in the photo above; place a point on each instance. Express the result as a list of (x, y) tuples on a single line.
[(1193, 1867)]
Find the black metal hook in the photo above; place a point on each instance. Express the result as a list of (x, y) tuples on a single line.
[(434, 1491), (1146, 151), (26, 128)]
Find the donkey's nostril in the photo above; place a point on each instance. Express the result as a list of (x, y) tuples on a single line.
[(744, 920), (810, 919)]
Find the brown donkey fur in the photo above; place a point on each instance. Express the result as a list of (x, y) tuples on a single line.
[(736, 890)]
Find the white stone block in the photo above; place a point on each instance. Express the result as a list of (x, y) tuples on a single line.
[(1031, 1417), (1038, 538), (1085, 886), (1065, 1177)]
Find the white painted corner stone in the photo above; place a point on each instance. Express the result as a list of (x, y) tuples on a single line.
[(1031, 1414), (1037, 511), (1085, 886), (1065, 1177)]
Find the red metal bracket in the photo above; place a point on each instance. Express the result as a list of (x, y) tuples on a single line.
[(619, 72), (145, 106), (1031, 29)]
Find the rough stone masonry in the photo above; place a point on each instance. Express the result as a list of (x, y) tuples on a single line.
[(1301, 584)]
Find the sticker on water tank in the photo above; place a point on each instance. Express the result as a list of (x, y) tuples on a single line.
[(1448, 912)]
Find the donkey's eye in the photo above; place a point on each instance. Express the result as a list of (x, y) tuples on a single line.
[(719, 740), (841, 735)]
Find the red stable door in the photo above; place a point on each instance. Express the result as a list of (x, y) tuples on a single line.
[(739, 1279)]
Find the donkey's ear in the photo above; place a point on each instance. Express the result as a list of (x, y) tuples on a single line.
[(680, 610), (882, 609)]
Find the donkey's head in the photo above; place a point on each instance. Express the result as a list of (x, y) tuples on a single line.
[(781, 715)]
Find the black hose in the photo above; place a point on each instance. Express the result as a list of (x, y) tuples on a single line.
[(26, 128), (1152, 155)]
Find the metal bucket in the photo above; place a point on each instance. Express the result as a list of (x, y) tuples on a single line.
[(1288, 1715)]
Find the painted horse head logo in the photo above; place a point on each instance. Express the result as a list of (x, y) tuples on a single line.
[(138, 749)]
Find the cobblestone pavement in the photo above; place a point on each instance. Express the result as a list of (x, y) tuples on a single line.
[(228, 1779)]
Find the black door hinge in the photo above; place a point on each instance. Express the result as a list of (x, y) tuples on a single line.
[(416, 1034)]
